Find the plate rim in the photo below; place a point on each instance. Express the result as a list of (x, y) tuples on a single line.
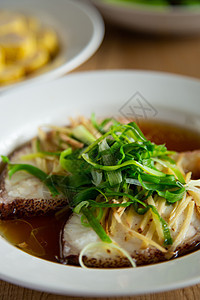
[(103, 293)]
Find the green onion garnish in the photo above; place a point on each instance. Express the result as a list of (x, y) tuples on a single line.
[(121, 164)]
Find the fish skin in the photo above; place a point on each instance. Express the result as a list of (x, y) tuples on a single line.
[(190, 163), (150, 255), (14, 205)]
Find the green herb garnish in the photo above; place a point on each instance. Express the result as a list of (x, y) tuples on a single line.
[(121, 164)]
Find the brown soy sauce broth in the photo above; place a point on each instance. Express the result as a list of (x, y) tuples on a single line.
[(38, 236), (175, 137), (42, 236)]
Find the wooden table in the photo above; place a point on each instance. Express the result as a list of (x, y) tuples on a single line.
[(123, 49)]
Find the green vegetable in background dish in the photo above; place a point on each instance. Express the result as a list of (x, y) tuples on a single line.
[(156, 2)]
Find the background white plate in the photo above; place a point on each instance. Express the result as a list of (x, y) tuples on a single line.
[(105, 93), (152, 19), (79, 26)]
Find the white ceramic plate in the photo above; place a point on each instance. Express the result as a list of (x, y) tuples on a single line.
[(79, 26), (152, 19), (145, 94)]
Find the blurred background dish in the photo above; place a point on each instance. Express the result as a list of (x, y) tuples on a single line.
[(41, 40), (26, 45), (153, 16)]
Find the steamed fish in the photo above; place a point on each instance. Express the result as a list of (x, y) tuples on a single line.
[(132, 202), (139, 235), (23, 194)]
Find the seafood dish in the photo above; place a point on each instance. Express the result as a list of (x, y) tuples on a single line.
[(123, 200)]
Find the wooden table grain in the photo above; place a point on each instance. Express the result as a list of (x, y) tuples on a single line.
[(123, 49)]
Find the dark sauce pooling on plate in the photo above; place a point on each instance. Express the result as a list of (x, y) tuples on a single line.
[(175, 138), (41, 236), (38, 236)]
